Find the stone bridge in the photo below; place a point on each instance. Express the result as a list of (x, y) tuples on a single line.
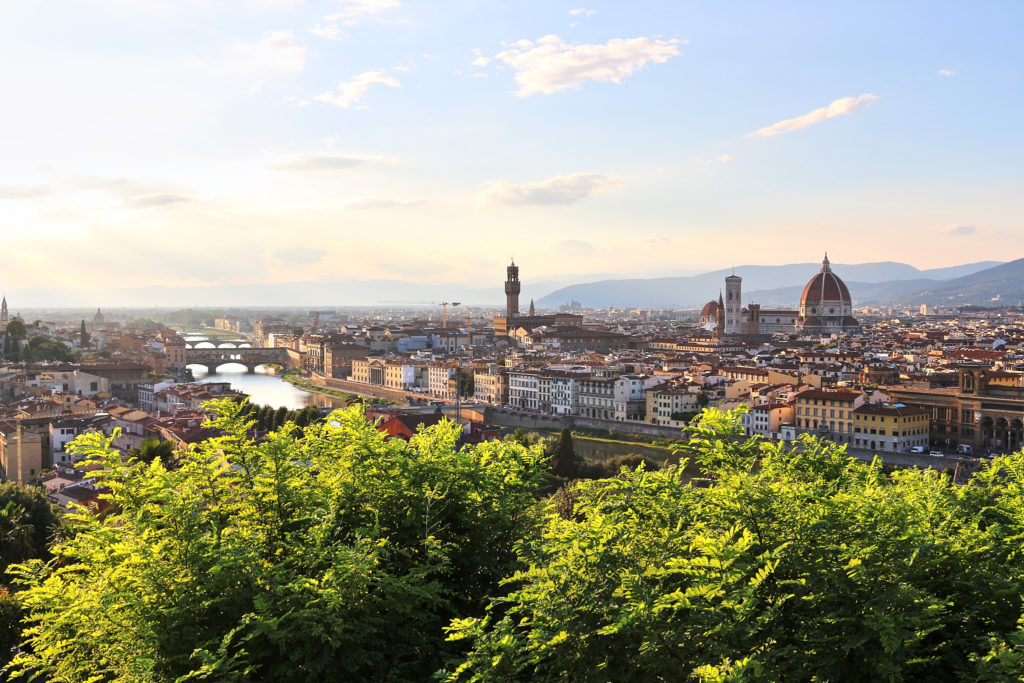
[(212, 359)]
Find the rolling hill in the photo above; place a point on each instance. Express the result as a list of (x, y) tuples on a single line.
[(769, 285)]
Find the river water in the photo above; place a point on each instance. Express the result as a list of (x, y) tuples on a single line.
[(264, 387)]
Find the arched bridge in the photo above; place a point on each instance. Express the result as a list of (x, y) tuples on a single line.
[(250, 358)]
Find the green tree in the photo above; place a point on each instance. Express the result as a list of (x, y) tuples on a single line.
[(703, 399), (83, 336), (564, 461), (338, 556), (279, 417), (15, 333), (467, 383), (153, 449), (780, 565), (41, 349), (28, 523)]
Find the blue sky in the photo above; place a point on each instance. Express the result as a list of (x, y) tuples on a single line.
[(431, 141)]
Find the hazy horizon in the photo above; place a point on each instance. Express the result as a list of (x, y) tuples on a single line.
[(196, 144)]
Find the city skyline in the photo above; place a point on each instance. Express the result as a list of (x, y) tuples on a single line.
[(193, 144)]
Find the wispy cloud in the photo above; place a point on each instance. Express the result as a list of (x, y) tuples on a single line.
[(147, 201), (958, 230), (23, 191), (350, 93), (840, 107), (574, 247), (480, 61), (330, 31), (319, 162), (351, 11), (368, 204), (551, 65), (582, 12), (276, 51), (947, 72), (563, 189), (300, 255)]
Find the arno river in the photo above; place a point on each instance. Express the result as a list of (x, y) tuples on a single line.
[(263, 387)]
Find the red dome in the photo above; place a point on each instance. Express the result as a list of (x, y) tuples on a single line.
[(710, 309), (825, 286)]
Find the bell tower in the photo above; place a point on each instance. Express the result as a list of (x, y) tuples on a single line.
[(3, 313), (512, 287)]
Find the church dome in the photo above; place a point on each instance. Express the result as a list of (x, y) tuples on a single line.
[(710, 309), (825, 287)]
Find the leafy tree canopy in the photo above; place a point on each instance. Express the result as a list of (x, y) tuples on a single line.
[(803, 565), (337, 556)]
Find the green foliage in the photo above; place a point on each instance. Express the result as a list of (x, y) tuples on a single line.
[(802, 565), (28, 522), (16, 329), (703, 399), (564, 461), (41, 349), (340, 555), (467, 383), (152, 449)]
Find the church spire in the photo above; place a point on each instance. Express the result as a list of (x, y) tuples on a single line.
[(826, 267), (533, 311)]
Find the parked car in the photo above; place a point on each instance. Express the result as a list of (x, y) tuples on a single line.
[(917, 449), (939, 454)]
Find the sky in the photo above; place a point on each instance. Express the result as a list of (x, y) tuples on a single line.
[(222, 142)]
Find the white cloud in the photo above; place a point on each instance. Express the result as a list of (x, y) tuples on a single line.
[(582, 12), (574, 248), (147, 201), (563, 189), (367, 204), (947, 72), (840, 107), (551, 65), (300, 255), (276, 51), (319, 162), (724, 158), (958, 230), (330, 31), (480, 60), (351, 11), (351, 92), (23, 191)]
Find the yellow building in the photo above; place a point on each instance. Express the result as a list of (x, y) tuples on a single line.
[(828, 412), (30, 453), (671, 406), (890, 427)]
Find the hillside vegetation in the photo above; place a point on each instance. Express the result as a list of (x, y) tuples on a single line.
[(342, 556)]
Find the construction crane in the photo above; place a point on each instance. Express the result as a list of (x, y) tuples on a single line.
[(443, 304)]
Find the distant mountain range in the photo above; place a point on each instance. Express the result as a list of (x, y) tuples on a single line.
[(869, 283), (985, 282)]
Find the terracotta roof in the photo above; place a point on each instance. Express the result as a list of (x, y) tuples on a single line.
[(825, 286)]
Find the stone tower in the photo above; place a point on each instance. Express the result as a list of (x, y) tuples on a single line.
[(733, 306), (3, 315), (533, 311), (512, 287)]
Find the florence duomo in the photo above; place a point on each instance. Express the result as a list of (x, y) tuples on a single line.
[(825, 308)]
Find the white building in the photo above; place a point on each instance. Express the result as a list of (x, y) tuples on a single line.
[(597, 397), (524, 389), (629, 400)]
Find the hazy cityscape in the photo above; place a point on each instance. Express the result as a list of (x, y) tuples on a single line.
[(379, 340)]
